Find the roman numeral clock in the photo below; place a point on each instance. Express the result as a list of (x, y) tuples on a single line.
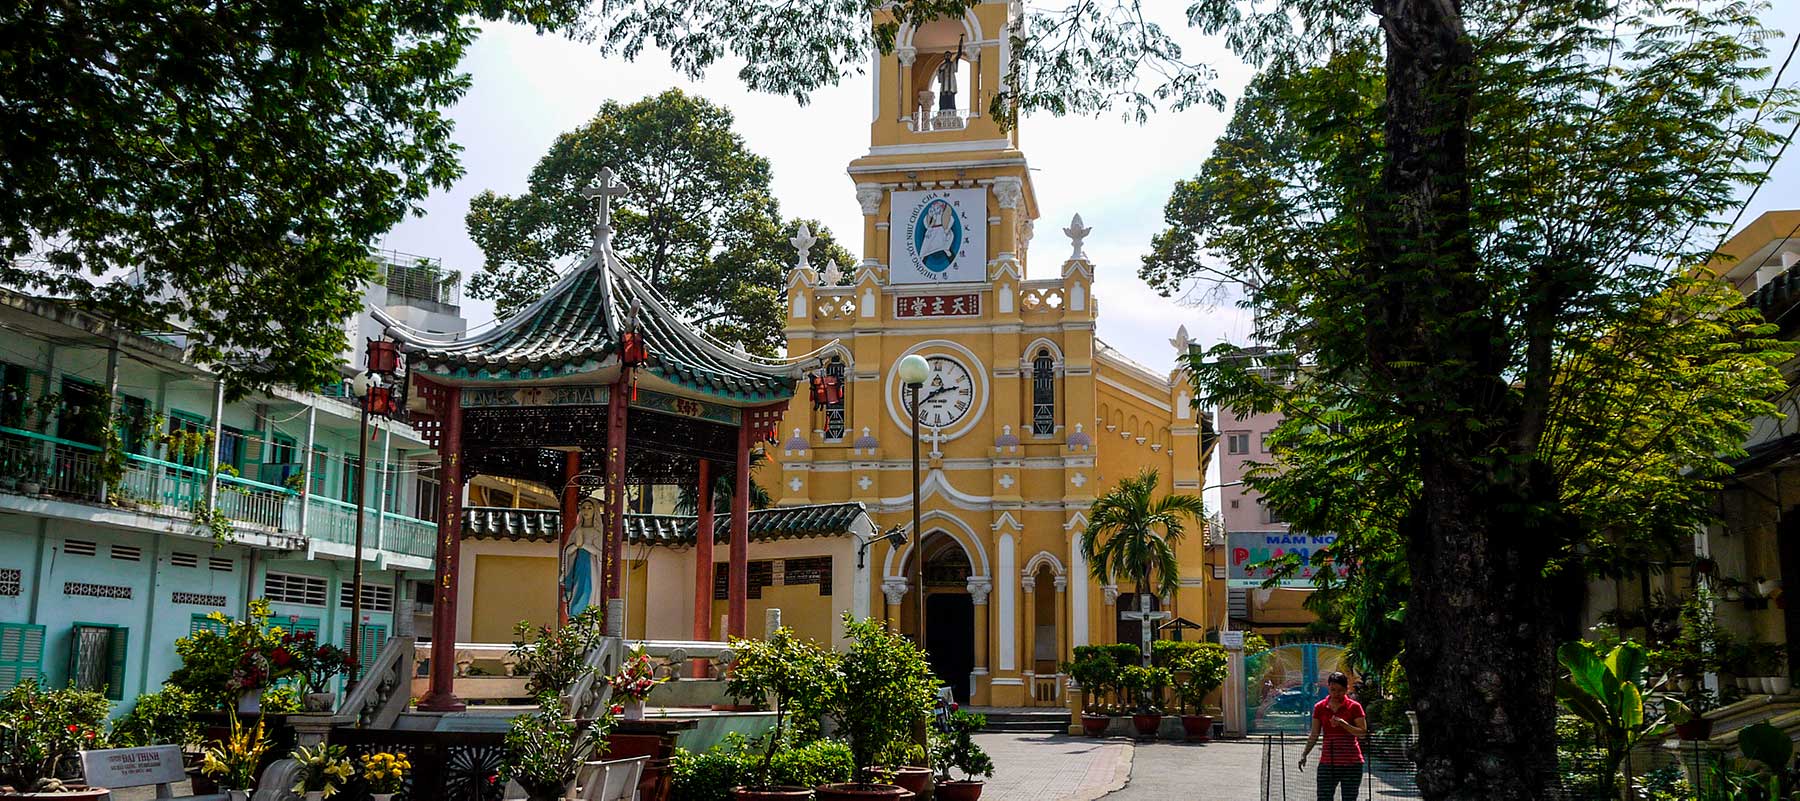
[(947, 397)]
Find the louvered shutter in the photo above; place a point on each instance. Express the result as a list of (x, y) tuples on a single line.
[(204, 623), (21, 654), (373, 637), (117, 656)]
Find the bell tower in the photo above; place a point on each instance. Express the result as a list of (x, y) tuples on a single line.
[(935, 148)]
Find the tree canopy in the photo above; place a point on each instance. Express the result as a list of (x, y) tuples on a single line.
[(227, 165), (699, 220)]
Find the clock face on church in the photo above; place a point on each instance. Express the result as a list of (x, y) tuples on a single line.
[(947, 396)]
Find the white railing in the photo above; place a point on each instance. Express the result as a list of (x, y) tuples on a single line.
[(258, 504), (334, 521)]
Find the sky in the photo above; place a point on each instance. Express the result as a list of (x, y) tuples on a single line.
[(527, 89)]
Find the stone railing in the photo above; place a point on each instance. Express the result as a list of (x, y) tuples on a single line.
[(1037, 296), (675, 658), (383, 692), (835, 304), (496, 521)]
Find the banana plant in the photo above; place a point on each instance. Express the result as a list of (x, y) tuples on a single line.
[(1608, 692)]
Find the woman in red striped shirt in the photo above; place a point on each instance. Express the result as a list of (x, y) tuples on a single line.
[(1340, 719)]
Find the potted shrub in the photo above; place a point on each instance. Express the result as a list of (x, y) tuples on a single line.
[(544, 749), (316, 664), (956, 748), (31, 474), (884, 691), (1201, 671), (1144, 686), (554, 658), (232, 763), (1688, 713), (230, 669), (39, 729), (1095, 671), (165, 717), (323, 770), (385, 773), (634, 681), (783, 669)]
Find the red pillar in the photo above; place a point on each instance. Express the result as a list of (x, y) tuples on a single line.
[(441, 697), (615, 485), (740, 537), (703, 555), (571, 512)]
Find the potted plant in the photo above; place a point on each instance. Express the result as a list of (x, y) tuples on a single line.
[(544, 749), (1201, 671), (323, 770), (385, 773), (39, 729), (1144, 686), (232, 763), (956, 748), (1688, 713), (634, 681), (1774, 669), (1095, 670), (31, 474), (316, 663), (885, 689), (783, 669)]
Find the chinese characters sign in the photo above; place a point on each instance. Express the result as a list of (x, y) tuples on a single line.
[(920, 306), (1249, 552)]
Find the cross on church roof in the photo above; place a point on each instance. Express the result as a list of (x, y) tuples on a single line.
[(608, 188)]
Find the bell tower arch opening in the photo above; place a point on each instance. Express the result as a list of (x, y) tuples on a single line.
[(949, 611)]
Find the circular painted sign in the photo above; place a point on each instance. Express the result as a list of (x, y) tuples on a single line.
[(937, 235)]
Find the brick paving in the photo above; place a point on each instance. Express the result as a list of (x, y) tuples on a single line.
[(1054, 767)]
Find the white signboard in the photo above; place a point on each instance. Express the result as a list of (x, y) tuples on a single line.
[(1232, 640), (133, 767), (938, 237)]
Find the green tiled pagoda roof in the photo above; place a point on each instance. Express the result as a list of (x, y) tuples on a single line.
[(576, 328), (778, 523)]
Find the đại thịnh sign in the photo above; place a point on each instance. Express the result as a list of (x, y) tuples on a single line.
[(1250, 552)]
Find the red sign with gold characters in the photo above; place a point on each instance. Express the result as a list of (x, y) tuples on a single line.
[(958, 305)]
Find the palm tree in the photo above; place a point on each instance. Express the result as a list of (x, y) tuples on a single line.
[(1133, 534)]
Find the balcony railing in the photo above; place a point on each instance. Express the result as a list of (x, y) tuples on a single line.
[(334, 521), (41, 465)]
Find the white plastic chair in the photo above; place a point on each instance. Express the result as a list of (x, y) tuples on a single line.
[(610, 780)]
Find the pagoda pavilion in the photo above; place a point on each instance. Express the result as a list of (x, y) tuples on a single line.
[(596, 386)]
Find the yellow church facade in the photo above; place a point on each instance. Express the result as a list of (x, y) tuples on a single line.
[(1025, 419), (1026, 416)]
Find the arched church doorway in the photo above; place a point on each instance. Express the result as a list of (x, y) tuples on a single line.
[(949, 612)]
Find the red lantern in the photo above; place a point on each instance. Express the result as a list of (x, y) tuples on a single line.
[(384, 356), (834, 389), (817, 392), (380, 401), (634, 352)]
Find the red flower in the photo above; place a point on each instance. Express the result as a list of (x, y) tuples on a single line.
[(281, 657), (74, 728), (618, 709)]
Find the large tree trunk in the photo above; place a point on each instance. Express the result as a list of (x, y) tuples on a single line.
[(1479, 624)]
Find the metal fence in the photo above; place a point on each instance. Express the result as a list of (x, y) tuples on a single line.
[(1388, 769)]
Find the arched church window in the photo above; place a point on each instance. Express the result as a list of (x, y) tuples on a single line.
[(834, 410), (1043, 394)]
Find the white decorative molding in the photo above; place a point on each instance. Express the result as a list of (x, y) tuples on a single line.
[(979, 587), (1077, 297), (907, 55), (1078, 600), (1111, 593), (1004, 296), (1077, 233), (867, 307), (1007, 658), (1077, 522), (803, 241), (1008, 192), (1040, 559), (1061, 582), (869, 197), (1028, 583), (1007, 520), (894, 588)]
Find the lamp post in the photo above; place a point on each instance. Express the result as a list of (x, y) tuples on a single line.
[(363, 384), (913, 370)]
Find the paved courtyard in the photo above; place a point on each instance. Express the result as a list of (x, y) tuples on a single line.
[(1041, 767)]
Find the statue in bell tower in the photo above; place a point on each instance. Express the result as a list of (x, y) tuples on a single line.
[(947, 78)]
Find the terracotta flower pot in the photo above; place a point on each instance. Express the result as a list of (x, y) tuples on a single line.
[(1094, 725), (959, 791), (911, 777), (851, 791), (1696, 729), (1147, 724), (771, 793), (1198, 728)]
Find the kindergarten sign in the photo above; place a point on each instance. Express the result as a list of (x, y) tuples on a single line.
[(1249, 551)]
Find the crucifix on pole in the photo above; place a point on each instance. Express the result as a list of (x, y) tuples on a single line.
[(1147, 620), (607, 189)]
